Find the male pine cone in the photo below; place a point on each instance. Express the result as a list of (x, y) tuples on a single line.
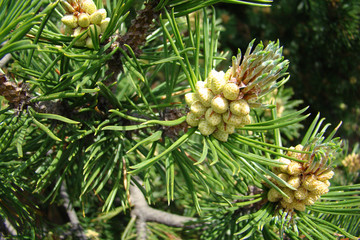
[(223, 101)]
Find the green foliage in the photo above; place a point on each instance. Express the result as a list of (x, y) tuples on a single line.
[(100, 120)]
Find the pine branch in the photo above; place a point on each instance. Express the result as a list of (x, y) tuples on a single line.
[(75, 224), (144, 213)]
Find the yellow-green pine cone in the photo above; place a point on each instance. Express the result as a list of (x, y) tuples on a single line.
[(104, 24), (283, 168), (240, 107), (191, 119), (311, 184), (231, 91), (294, 181), (92, 28), (228, 74), (190, 98), (228, 128), (219, 104), (96, 18), (198, 109), (232, 119), (295, 154), (290, 195), (294, 168), (89, 43), (220, 135), (283, 176), (88, 6), (216, 81), (212, 117), (326, 175), (301, 193), (327, 183), (70, 21), (84, 20), (205, 96), (245, 120), (311, 198), (205, 128), (299, 205), (200, 84), (273, 195), (79, 31), (103, 13), (321, 188)]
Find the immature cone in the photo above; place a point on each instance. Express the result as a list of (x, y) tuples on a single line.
[(14, 93), (308, 185), (232, 94), (83, 14)]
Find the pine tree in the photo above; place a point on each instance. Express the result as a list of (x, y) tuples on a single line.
[(122, 119)]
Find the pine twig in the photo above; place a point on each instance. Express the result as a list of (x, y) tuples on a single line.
[(144, 213), (76, 226)]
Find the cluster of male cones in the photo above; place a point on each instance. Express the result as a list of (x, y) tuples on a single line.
[(81, 16), (223, 101), (308, 181)]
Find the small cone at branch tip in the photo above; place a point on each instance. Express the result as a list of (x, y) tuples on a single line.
[(103, 13), (312, 184), (301, 193), (273, 195), (294, 181), (232, 119), (310, 199), (83, 20), (284, 177), (219, 104), (297, 155), (327, 183), (96, 18), (89, 43), (79, 31), (70, 21), (231, 91), (216, 81), (88, 6), (205, 128), (321, 188), (290, 195), (245, 119), (326, 175), (227, 75), (294, 168), (198, 109), (200, 84), (228, 128), (205, 96), (92, 30), (190, 98), (192, 120), (283, 168), (220, 135), (240, 107), (104, 24), (212, 117), (299, 205)]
